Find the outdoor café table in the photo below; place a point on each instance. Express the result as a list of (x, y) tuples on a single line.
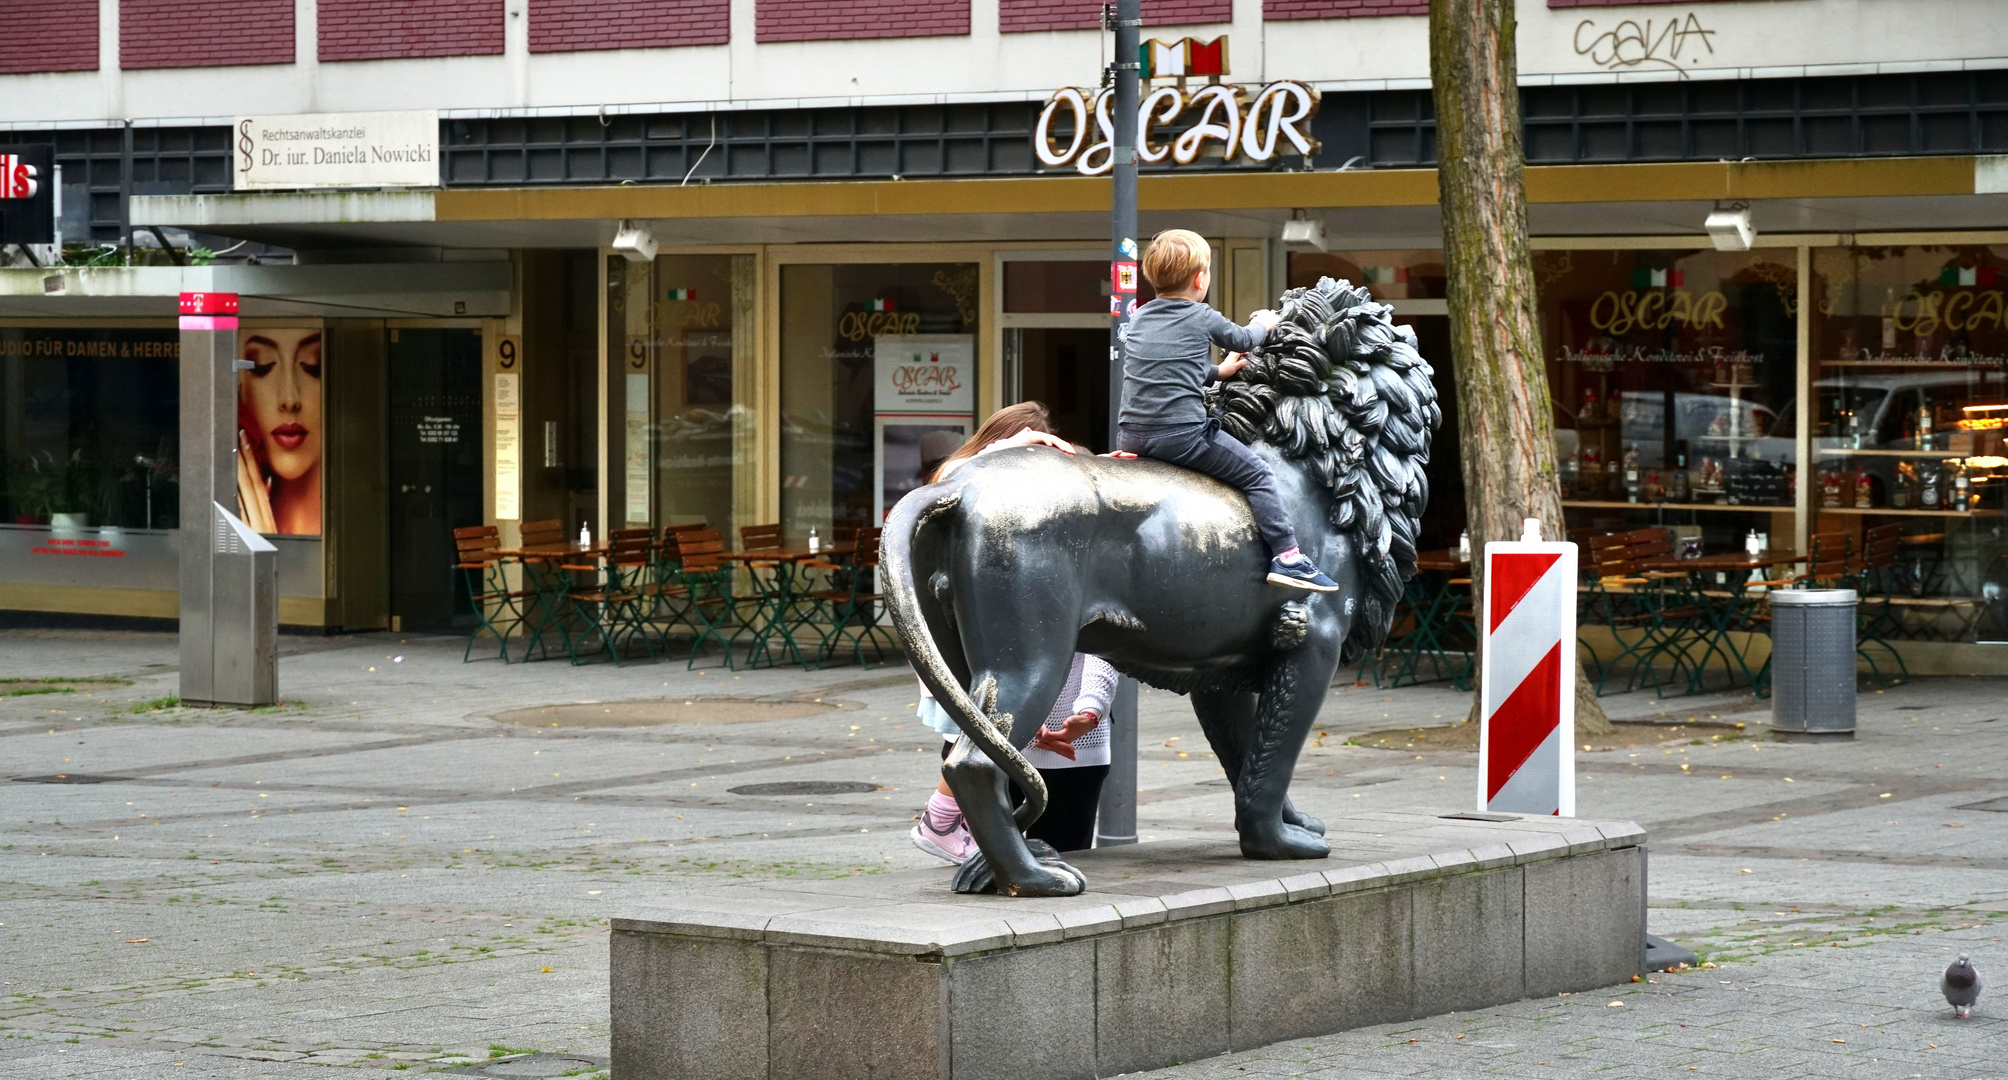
[(1730, 607), (1435, 611), (773, 614), (541, 569)]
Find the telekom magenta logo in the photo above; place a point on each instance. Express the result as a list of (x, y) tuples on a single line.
[(18, 179)]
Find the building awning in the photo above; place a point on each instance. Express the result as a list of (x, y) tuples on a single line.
[(1363, 208), (348, 290)]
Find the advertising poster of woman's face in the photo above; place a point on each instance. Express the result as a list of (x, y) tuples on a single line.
[(280, 436)]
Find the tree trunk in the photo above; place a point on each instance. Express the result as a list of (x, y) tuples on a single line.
[(1505, 419)]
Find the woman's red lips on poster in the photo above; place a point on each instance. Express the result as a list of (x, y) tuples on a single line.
[(289, 436)]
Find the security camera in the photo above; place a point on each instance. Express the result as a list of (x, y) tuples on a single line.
[(1310, 232), (1730, 229), (634, 242)]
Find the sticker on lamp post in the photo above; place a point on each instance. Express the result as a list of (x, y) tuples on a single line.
[(1527, 700)]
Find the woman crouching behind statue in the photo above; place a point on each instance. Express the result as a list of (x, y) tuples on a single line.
[(1072, 751)]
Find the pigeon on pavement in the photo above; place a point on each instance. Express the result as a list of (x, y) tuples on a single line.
[(1962, 986)]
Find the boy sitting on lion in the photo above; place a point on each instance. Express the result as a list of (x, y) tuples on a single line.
[(1165, 370)]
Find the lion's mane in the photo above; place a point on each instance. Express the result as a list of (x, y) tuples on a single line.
[(1337, 385)]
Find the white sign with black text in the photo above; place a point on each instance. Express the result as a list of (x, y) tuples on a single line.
[(338, 150)]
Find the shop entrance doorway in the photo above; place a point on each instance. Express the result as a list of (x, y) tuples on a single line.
[(1066, 367), (435, 470)]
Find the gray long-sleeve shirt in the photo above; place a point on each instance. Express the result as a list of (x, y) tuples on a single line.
[(1165, 363)]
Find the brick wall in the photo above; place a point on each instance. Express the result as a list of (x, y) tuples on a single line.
[(577, 25), (389, 29), (64, 33), (179, 34), (1274, 10), (1020, 16), (828, 20)]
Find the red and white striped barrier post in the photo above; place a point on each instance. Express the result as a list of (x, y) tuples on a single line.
[(1527, 699)]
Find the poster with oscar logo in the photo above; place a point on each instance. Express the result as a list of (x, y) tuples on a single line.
[(923, 397), (281, 436)]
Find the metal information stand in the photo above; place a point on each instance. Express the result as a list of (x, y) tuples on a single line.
[(229, 573)]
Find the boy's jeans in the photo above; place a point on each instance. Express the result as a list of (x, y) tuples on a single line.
[(1205, 448)]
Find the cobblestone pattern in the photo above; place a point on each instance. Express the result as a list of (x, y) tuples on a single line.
[(396, 29), (819, 20), (378, 874), (65, 33), (582, 25), (1021, 16), (178, 34)]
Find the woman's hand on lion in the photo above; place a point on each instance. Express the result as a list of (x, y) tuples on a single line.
[(1030, 437)]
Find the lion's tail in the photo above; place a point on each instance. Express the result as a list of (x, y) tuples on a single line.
[(920, 512)]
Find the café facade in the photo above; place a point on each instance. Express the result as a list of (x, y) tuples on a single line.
[(781, 304)]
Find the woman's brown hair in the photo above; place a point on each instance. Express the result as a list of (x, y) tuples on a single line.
[(1004, 423)]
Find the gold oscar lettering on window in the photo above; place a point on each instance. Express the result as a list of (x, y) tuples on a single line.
[(1922, 313), (859, 325), (1619, 313)]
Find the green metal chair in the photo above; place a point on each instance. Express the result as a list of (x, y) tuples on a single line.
[(849, 609), (614, 607), (482, 573), (703, 588), (1875, 583)]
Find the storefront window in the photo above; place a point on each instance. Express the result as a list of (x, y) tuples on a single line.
[(703, 429), (1909, 347), (1673, 375), (89, 427), (1388, 275), (877, 385)]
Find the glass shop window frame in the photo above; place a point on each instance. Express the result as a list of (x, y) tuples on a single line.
[(972, 297), (1651, 268), (1910, 392)]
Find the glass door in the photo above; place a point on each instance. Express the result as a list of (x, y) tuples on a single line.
[(435, 469)]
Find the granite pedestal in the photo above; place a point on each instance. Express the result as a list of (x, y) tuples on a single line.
[(1179, 950)]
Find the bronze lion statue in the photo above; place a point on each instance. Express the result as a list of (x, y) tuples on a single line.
[(996, 576)]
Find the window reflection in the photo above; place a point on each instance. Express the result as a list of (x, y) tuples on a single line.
[(1911, 404), (703, 428), (877, 366), (1673, 375)]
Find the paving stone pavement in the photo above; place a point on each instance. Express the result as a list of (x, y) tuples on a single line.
[(381, 876)]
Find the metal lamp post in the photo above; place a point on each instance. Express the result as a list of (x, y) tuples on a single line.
[(1115, 821)]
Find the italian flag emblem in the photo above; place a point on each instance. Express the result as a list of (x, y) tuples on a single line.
[(879, 305), (681, 294)]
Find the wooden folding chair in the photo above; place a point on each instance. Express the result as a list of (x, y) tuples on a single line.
[(496, 607), (611, 607), (851, 607)]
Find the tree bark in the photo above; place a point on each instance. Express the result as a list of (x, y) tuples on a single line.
[(1505, 418)]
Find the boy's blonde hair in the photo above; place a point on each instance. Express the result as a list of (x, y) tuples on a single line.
[(1175, 255)]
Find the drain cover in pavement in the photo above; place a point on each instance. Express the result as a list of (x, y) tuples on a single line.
[(69, 778), (661, 711), (805, 787), (535, 1066)]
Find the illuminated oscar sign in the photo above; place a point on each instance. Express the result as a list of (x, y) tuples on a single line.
[(1228, 122)]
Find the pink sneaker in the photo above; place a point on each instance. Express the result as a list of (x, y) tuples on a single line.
[(955, 845)]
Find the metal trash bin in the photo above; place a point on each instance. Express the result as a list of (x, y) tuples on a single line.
[(1813, 663)]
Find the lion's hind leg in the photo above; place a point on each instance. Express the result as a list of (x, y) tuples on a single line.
[(1024, 692)]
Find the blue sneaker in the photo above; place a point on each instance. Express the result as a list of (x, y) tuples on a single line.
[(1300, 573)]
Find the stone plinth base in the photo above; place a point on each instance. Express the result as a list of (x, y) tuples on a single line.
[(1179, 950)]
